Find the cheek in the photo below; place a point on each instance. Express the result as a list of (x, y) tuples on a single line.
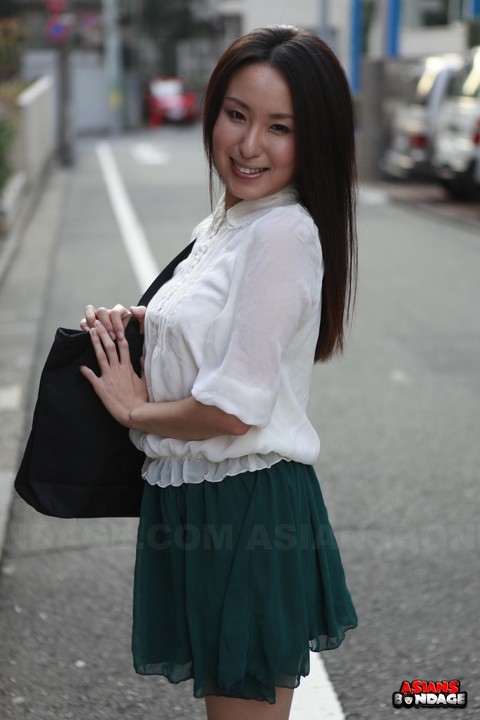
[(287, 158), (219, 137)]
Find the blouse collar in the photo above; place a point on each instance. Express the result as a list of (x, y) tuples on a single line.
[(243, 212)]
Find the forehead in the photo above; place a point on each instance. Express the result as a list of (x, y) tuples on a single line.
[(262, 85)]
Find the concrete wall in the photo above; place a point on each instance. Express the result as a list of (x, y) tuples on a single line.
[(433, 40), (33, 149), (88, 83), (418, 41), (35, 139), (304, 13)]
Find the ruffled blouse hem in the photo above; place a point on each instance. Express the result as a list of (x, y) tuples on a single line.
[(175, 471)]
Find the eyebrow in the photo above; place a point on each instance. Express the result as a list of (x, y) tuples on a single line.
[(274, 116)]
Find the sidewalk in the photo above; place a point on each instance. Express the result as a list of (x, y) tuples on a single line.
[(429, 197), (25, 265)]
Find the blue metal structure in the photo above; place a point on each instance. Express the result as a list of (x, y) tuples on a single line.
[(356, 45), (475, 8), (393, 27)]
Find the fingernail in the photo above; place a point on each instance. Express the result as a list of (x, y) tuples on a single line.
[(119, 335), (112, 335)]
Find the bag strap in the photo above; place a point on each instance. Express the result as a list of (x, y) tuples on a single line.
[(165, 275)]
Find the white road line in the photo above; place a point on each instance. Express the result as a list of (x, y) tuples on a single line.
[(147, 154), (315, 698), (141, 257), (369, 195), (10, 397), (399, 376)]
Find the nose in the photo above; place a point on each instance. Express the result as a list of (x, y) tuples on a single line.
[(250, 144)]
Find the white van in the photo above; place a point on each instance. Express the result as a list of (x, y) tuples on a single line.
[(456, 156), (409, 152)]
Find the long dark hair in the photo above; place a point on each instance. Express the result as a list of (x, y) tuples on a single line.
[(325, 154)]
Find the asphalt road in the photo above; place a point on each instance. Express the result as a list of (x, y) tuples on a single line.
[(399, 422)]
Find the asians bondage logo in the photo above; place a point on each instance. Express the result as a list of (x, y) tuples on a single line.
[(429, 693)]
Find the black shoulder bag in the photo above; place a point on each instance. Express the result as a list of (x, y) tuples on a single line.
[(79, 461)]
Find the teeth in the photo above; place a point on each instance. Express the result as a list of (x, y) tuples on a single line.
[(248, 171)]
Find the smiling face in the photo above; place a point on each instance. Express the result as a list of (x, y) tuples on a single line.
[(254, 135)]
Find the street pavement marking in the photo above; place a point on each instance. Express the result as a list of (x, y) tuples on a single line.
[(400, 377), (147, 154), (315, 698), (6, 484), (10, 397), (369, 195), (138, 250)]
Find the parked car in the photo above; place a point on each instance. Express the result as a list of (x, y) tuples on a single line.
[(409, 153), (169, 99), (457, 142)]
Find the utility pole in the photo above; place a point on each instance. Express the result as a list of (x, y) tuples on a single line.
[(111, 41), (356, 46), (372, 124), (58, 29), (66, 150)]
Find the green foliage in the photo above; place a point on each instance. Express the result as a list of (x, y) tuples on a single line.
[(12, 37), (6, 140)]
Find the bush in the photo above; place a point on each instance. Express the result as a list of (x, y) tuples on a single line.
[(6, 139), (12, 38)]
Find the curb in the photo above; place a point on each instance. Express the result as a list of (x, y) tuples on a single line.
[(12, 240), (430, 199), (24, 270)]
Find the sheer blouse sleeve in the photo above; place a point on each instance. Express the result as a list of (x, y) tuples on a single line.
[(275, 287)]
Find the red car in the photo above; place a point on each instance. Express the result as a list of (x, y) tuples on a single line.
[(170, 100)]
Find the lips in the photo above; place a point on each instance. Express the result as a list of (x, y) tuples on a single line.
[(246, 172)]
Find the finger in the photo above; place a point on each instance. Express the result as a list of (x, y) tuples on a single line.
[(88, 374), (84, 324), (103, 315), (90, 315), (102, 360), (108, 344), (123, 351), (138, 311), (104, 347), (119, 317)]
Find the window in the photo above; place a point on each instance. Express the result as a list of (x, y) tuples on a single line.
[(467, 82), (434, 12), (431, 13)]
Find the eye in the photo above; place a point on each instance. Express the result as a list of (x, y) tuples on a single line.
[(235, 115), (280, 129)]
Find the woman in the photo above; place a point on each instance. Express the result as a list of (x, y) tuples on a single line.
[(238, 573)]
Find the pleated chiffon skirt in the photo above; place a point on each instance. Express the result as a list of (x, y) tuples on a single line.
[(235, 581)]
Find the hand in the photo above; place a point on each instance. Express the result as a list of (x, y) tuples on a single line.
[(118, 386), (113, 320)]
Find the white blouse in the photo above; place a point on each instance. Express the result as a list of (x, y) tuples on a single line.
[(236, 327)]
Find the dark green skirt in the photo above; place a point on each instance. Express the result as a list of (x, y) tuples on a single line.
[(235, 581)]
